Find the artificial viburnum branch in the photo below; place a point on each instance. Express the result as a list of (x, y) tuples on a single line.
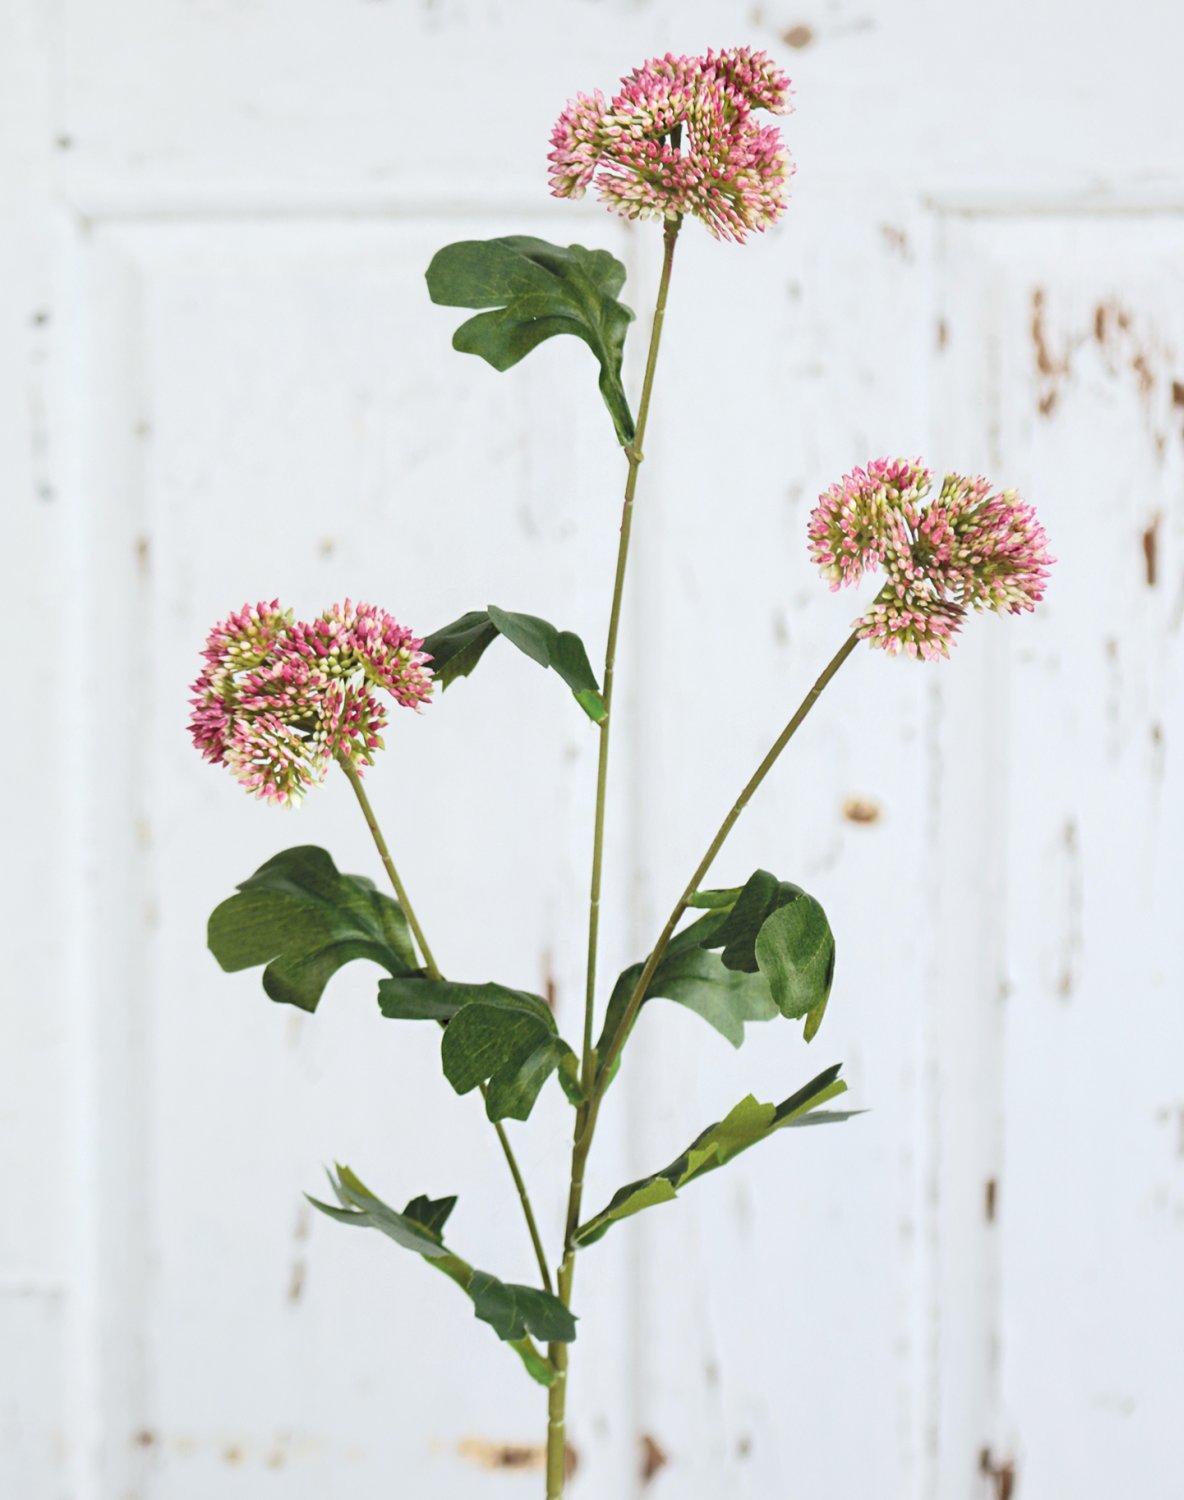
[(279, 700)]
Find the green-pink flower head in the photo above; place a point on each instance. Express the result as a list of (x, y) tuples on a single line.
[(966, 549), (848, 527), (680, 138), (279, 699)]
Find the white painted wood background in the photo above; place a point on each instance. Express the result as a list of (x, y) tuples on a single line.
[(221, 379)]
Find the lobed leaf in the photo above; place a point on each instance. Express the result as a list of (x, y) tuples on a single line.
[(536, 291), (749, 1122), (697, 980), (514, 1312), (493, 1035), (304, 920), (457, 648), (777, 929)]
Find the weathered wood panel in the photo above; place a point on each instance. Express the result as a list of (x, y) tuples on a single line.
[(216, 218)]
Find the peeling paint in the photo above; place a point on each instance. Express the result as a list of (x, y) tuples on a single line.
[(861, 810), (521, 1456), (1001, 1473), (1151, 550), (1071, 940), (653, 1458), (897, 241), (1050, 371)]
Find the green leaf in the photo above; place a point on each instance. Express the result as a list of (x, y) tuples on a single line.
[(698, 980), (775, 928), (514, 1312), (505, 1038), (750, 1122), (796, 952), (457, 648), (304, 919), (761, 895), (537, 290)]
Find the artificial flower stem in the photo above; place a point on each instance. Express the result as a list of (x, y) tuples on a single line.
[(612, 1052), (431, 969), (635, 456)]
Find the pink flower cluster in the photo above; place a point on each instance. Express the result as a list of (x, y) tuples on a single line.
[(279, 699), (680, 138), (966, 549)]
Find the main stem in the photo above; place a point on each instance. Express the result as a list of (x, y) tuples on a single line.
[(432, 970), (635, 456)]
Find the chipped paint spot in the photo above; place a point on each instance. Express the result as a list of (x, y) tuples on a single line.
[(943, 334), (1151, 550), (232, 1454), (798, 36), (1071, 942), (861, 810), (327, 546), (550, 992), (145, 1438), (897, 241), (1001, 1473), (1143, 371), (1157, 751), (303, 1221), (520, 1456), (990, 1199), (143, 555), (653, 1458), (40, 318), (1178, 392), (296, 1282), (1049, 370), (743, 1445)]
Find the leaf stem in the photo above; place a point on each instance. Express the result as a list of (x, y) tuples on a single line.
[(585, 1120), (431, 969), (613, 1051)]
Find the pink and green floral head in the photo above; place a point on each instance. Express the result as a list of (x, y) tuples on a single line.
[(280, 699), (965, 549), (681, 138)]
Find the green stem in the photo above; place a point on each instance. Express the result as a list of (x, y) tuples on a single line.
[(432, 970), (430, 967), (635, 456), (613, 1051)]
